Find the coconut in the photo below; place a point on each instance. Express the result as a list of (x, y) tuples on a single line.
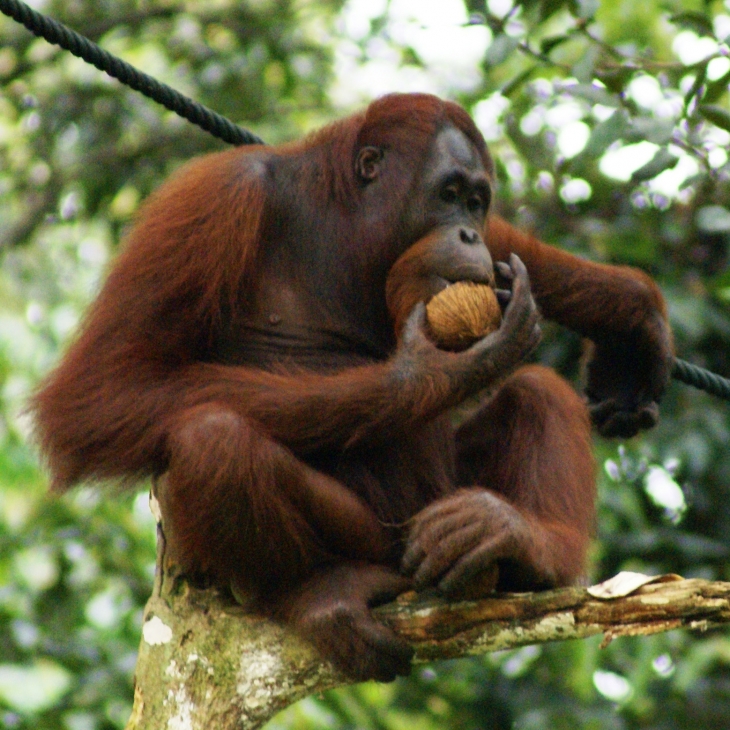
[(461, 314)]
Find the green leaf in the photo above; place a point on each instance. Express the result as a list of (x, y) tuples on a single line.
[(584, 69), (652, 130), (500, 49), (409, 57), (548, 7), (715, 89), (720, 285), (547, 44), (693, 20), (662, 160), (605, 134), (513, 84), (585, 9), (594, 94), (632, 247), (718, 115), (696, 84), (693, 180), (616, 79)]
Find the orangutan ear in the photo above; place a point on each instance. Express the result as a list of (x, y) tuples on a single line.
[(368, 163)]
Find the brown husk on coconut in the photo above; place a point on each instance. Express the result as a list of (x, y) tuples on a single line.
[(461, 314)]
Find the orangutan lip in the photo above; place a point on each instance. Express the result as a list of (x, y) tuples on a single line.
[(488, 280)]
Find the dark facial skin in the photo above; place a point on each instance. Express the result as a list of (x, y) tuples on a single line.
[(452, 188), (456, 185)]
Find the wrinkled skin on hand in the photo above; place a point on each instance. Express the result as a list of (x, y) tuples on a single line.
[(332, 609), (459, 542)]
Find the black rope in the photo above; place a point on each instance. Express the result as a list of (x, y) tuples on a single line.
[(55, 32), (700, 378), (219, 126)]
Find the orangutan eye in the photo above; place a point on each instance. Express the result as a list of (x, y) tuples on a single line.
[(450, 194), (475, 203)]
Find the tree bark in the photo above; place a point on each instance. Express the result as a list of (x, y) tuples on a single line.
[(205, 662)]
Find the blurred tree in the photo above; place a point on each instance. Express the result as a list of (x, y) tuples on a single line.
[(610, 123)]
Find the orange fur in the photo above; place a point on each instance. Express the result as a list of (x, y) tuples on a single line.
[(243, 345)]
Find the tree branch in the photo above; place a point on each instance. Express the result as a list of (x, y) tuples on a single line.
[(204, 661)]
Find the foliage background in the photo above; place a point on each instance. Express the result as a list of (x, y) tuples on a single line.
[(610, 123)]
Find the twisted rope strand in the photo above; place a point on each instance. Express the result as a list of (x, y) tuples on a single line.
[(59, 34), (700, 378)]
